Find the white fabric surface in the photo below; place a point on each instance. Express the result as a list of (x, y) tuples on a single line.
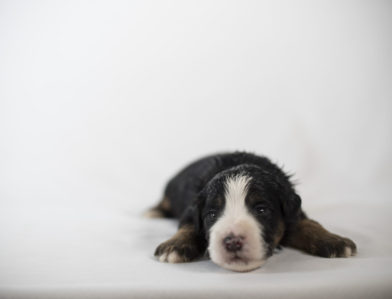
[(102, 101), (94, 252)]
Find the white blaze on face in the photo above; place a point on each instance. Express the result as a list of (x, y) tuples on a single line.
[(236, 220)]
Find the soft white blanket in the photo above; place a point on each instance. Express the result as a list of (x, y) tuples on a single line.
[(74, 252)]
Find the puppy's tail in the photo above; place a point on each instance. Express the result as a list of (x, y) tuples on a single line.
[(162, 210)]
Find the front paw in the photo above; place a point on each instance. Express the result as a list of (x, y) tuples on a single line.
[(335, 246), (173, 251)]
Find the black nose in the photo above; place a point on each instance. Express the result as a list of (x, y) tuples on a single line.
[(233, 243)]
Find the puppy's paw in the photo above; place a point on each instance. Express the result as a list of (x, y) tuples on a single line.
[(172, 251), (335, 246)]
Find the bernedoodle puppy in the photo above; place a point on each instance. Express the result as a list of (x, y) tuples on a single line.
[(239, 207)]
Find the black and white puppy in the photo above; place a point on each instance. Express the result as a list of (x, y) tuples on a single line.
[(239, 207)]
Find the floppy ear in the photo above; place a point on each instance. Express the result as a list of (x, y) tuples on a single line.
[(289, 199), (192, 215), (198, 205), (291, 205)]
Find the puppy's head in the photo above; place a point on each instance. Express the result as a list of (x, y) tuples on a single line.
[(243, 212)]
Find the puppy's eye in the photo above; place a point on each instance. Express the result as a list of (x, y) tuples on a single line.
[(260, 209), (211, 215)]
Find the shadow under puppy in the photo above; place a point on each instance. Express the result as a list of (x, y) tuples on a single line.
[(239, 207)]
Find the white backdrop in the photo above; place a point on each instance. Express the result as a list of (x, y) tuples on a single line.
[(102, 101)]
